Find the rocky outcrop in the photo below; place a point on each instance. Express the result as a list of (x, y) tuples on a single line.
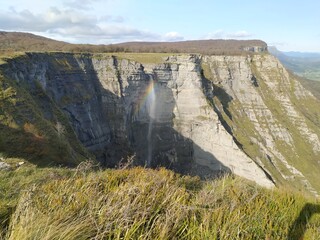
[(4, 166), (196, 120), (203, 115), (256, 49), (262, 110)]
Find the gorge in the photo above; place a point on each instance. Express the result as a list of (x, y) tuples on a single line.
[(196, 114)]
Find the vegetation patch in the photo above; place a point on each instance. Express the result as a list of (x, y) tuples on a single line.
[(144, 58), (142, 203)]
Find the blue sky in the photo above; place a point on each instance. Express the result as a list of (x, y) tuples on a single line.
[(291, 25)]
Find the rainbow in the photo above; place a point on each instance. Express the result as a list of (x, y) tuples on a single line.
[(144, 99)]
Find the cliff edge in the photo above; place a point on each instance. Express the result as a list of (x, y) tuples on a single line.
[(196, 114)]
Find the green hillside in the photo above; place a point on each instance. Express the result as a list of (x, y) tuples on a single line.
[(55, 203), (305, 65)]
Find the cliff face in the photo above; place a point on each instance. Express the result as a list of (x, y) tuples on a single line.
[(270, 114), (195, 114)]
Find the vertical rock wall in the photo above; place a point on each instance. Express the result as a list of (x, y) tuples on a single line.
[(119, 107), (265, 109)]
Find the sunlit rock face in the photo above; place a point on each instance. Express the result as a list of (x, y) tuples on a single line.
[(269, 112), (200, 115)]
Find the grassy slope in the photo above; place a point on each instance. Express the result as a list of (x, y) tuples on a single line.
[(12, 183), (147, 204), (312, 86), (144, 58)]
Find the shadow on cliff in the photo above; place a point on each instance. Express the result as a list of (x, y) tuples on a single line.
[(17, 143), (299, 226), (39, 150), (127, 123), (212, 90), (108, 125)]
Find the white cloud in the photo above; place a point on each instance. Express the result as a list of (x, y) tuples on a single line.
[(239, 34), (221, 34), (52, 19), (173, 36), (80, 4), (216, 34), (75, 25), (109, 18), (278, 44)]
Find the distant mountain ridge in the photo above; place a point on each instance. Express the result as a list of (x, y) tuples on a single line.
[(304, 64), (218, 46), (302, 54), (17, 41)]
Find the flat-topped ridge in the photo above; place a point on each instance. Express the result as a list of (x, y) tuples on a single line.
[(18, 41)]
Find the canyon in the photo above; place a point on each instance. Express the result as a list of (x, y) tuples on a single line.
[(196, 114)]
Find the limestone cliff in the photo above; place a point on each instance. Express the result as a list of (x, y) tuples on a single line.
[(203, 115), (266, 110)]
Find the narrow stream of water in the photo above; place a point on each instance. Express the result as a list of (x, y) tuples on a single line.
[(152, 114)]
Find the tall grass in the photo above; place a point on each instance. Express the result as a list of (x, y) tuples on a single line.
[(20, 179), (159, 204)]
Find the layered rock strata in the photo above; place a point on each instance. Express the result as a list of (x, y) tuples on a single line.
[(203, 115)]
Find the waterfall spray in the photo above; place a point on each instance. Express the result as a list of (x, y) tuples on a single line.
[(152, 114)]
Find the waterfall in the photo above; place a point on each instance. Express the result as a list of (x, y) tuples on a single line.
[(152, 115)]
